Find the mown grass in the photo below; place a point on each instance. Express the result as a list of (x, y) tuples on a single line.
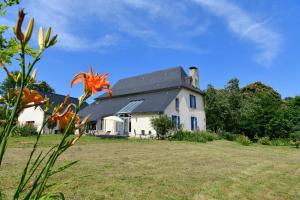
[(147, 169)]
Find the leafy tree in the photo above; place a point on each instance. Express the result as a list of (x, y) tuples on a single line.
[(234, 101), (8, 84), (261, 104), (292, 112), (254, 110), (8, 48), (216, 108), (163, 125)]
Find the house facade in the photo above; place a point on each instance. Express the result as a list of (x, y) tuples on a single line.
[(36, 116), (136, 100)]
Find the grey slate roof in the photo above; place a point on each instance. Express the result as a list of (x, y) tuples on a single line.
[(156, 89), (57, 99), (154, 102), (168, 78)]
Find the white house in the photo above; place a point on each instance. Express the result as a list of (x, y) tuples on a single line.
[(35, 116), (136, 100)]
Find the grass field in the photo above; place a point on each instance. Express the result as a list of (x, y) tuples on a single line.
[(146, 169)]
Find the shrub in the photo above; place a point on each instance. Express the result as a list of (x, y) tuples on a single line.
[(24, 130), (229, 136), (163, 126), (281, 142), (264, 140), (244, 140), (201, 136), (209, 136), (296, 139)]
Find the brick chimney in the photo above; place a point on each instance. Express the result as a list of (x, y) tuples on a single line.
[(193, 73)]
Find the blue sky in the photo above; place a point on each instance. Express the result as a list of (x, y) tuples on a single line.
[(248, 39)]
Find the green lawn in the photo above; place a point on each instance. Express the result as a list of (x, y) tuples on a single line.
[(146, 169)]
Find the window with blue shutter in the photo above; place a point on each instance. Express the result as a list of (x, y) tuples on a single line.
[(192, 101), (174, 118), (194, 124)]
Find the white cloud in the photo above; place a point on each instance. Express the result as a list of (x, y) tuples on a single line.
[(97, 24), (163, 24), (241, 23)]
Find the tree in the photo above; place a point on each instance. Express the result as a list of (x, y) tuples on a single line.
[(162, 125), (8, 48), (234, 101), (9, 84), (292, 112), (261, 105), (254, 110), (216, 108)]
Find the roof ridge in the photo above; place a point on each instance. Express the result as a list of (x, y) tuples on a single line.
[(153, 72)]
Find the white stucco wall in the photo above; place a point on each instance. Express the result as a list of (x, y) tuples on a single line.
[(185, 112), (141, 122), (113, 127), (32, 114)]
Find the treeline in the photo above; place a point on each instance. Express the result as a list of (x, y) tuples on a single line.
[(255, 110)]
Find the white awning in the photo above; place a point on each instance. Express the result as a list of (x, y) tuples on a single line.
[(114, 118)]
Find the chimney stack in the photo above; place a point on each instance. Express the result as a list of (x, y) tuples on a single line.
[(193, 73)]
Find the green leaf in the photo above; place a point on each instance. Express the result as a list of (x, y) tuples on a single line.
[(63, 167)]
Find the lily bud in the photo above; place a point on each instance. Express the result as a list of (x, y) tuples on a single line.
[(29, 30), (47, 37), (18, 77), (19, 33), (41, 38), (33, 74), (53, 41)]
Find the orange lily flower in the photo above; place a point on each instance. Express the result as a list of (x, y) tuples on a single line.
[(92, 83), (65, 118), (29, 97)]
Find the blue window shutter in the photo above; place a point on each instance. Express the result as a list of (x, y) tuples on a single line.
[(174, 117), (192, 123), (178, 125), (192, 101)]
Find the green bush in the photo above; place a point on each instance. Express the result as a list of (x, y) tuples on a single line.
[(209, 136), (163, 126), (296, 139), (201, 136), (24, 130), (229, 136), (264, 140), (244, 140), (281, 142)]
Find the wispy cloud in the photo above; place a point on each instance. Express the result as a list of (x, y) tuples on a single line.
[(99, 24), (241, 23), (156, 23)]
